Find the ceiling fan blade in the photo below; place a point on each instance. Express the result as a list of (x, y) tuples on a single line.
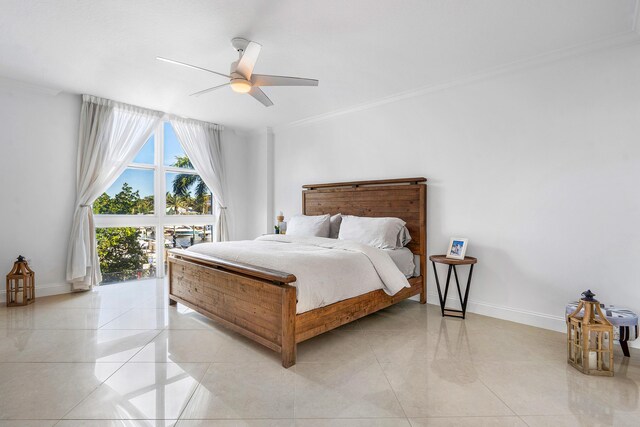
[(266, 80), (211, 89), (248, 59), (195, 67), (260, 96)]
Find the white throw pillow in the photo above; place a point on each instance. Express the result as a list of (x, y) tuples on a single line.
[(383, 233), (404, 237), (335, 221), (309, 225)]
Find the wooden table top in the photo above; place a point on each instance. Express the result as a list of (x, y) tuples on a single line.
[(442, 259)]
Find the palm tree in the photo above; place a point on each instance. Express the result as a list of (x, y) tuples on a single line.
[(175, 202), (183, 181), (145, 205)]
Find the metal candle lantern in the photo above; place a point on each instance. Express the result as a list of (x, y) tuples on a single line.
[(20, 284), (590, 338)]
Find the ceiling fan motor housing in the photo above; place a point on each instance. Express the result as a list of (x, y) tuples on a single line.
[(238, 82), (239, 44)]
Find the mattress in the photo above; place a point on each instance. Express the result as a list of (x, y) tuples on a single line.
[(403, 258), (327, 270)]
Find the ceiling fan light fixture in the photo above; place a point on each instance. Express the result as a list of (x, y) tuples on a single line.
[(240, 85)]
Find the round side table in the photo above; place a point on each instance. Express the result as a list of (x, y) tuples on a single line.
[(452, 263)]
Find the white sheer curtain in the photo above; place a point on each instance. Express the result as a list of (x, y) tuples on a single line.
[(110, 136), (201, 143)]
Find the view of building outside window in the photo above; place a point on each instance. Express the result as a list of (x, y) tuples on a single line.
[(183, 236)]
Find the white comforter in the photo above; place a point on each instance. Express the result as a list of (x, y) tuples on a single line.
[(327, 270)]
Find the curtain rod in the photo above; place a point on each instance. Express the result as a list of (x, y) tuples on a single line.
[(190, 120), (167, 116)]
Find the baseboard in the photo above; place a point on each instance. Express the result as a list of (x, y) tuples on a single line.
[(531, 318), (526, 317), (44, 290)]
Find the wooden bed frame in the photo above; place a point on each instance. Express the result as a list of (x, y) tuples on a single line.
[(260, 303)]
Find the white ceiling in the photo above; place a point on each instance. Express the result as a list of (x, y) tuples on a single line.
[(360, 50)]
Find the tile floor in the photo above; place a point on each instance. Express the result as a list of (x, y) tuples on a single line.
[(119, 356)]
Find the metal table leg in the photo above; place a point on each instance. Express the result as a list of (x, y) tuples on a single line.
[(443, 298)]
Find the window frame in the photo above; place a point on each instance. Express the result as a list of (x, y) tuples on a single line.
[(159, 219)]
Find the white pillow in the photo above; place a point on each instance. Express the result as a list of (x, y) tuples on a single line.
[(309, 225), (404, 237), (335, 221), (383, 233)]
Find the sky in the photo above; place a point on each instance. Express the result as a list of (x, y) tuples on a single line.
[(142, 180)]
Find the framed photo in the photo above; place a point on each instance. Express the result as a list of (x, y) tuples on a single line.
[(457, 248)]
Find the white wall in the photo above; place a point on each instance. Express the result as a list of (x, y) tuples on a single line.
[(539, 169), (259, 193), (235, 150), (37, 181)]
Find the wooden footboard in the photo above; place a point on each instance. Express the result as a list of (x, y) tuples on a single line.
[(255, 302), (261, 305)]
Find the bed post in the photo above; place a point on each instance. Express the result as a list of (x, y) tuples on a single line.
[(288, 349), (171, 301), (423, 292), (423, 243)]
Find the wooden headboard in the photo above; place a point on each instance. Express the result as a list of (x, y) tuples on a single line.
[(404, 198)]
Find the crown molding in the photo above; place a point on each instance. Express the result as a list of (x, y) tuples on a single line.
[(244, 132), (257, 131), (10, 84), (625, 39)]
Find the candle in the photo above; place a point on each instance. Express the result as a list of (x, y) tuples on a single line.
[(593, 360)]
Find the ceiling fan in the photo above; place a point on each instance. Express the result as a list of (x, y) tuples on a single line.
[(241, 77)]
